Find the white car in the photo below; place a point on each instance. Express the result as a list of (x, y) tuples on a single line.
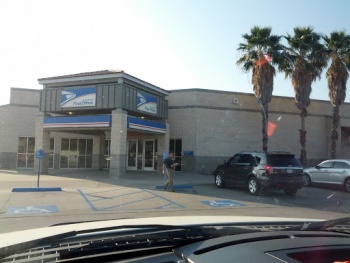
[(183, 239), (335, 171)]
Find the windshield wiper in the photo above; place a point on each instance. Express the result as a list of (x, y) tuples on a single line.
[(323, 225)]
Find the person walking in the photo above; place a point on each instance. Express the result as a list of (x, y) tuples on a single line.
[(168, 167)]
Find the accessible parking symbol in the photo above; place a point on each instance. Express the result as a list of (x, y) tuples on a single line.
[(32, 209), (222, 203)]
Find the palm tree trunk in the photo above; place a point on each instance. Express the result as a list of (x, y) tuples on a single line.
[(334, 136), (302, 137), (265, 117)]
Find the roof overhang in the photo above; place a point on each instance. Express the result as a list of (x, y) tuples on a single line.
[(101, 75)]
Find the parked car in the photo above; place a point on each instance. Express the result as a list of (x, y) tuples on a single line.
[(336, 171), (260, 171)]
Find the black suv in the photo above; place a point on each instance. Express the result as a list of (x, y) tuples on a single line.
[(259, 171)]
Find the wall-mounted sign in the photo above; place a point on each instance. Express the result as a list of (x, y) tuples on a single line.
[(82, 97), (146, 103)]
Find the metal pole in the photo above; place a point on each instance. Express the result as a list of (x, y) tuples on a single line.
[(39, 172)]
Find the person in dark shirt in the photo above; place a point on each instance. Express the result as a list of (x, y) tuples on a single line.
[(168, 167)]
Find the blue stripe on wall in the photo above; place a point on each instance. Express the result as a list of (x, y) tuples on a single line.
[(92, 120), (140, 124)]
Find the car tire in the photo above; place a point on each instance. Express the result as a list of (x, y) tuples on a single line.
[(218, 180), (347, 184), (290, 191), (253, 186), (307, 180)]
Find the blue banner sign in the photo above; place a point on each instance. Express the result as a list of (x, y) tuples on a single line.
[(82, 97), (146, 103)]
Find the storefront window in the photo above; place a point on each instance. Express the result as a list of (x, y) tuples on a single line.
[(176, 147), (51, 153), (25, 152), (76, 153), (107, 154)]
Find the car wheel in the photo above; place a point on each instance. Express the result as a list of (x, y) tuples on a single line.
[(290, 191), (347, 184), (253, 186), (218, 180), (307, 180)]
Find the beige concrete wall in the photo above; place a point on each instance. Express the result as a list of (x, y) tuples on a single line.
[(15, 122), (217, 124), (25, 96)]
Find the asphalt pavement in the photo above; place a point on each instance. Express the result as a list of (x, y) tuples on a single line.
[(87, 195), (71, 194)]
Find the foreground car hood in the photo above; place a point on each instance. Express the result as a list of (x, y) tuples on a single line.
[(14, 238)]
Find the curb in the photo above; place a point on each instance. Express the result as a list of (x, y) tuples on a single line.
[(37, 189)]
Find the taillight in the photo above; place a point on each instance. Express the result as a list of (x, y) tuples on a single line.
[(268, 169)]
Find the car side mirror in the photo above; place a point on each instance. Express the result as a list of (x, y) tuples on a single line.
[(317, 167)]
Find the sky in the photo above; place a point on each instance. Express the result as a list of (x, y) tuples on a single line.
[(173, 44)]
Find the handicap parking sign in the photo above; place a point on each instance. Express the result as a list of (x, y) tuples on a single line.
[(39, 154)]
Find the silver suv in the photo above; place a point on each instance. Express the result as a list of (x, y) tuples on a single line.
[(259, 171)]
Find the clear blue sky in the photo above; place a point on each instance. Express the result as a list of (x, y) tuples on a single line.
[(174, 44)]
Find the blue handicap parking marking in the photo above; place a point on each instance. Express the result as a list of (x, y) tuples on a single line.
[(32, 209), (222, 203), (126, 199)]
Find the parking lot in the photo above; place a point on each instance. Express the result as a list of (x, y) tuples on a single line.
[(92, 195)]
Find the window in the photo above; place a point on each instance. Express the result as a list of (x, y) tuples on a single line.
[(283, 160), (51, 153), (76, 153), (246, 158), (341, 165), (235, 159), (107, 154), (327, 164), (25, 152), (176, 147)]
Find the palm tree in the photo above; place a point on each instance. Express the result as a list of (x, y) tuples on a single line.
[(256, 52), (338, 51), (304, 62)]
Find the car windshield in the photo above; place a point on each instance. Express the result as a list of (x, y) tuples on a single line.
[(149, 109)]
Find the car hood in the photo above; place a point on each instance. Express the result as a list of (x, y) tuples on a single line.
[(19, 237)]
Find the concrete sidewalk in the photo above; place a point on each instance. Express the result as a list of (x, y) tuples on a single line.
[(64, 178)]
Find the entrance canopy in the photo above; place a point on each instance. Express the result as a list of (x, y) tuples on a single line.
[(102, 121)]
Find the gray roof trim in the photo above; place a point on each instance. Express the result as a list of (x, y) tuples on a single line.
[(96, 75), (249, 94)]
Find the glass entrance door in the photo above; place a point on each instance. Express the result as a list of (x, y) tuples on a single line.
[(132, 155), (141, 155), (149, 155)]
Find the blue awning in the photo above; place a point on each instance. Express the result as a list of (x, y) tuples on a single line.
[(146, 125), (91, 121)]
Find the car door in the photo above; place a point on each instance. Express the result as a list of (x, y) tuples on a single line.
[(230, 169), (339, 172), (322, 171), (242, 169)]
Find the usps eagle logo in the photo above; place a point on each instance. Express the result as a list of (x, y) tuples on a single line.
[(67, 96)]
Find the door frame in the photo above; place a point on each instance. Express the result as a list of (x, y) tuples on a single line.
[(144, 154), (143, 159)]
